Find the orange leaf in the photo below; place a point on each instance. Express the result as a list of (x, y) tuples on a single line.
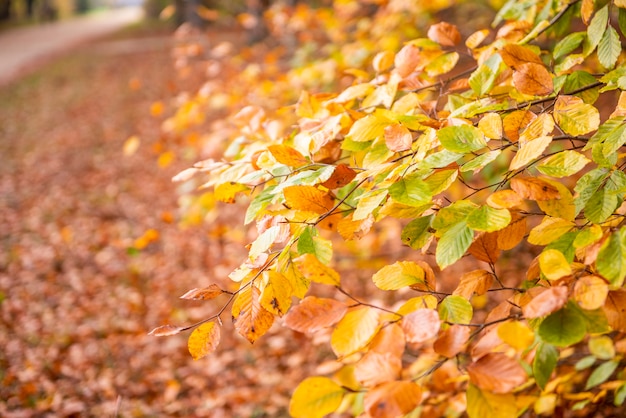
[(615, 309), (515, 55), (206, 293), (342, 176), (350, 229), (204, 340), (377, 367), (513, 234), (308, 198), (497, 373), (165, 330), (250, 318), (287, 155), (477, 281), (452, 340), (504, 199), (444, 33), (548, 301), (532, 78), (586, 10), (392, 399), (515, 122), (532, 188), (421, 325), (390, 339), (485, 247), (313, 314), (226, 192), (591, 292), (407, 59), (398, 137)]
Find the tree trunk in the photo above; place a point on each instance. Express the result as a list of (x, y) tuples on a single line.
[(5, 9)]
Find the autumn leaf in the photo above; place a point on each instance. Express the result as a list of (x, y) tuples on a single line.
[(355, 330), (165, 330), (250, 318), (421, 325), (532, 188), (398, 275), (548, 301), (313, 314), (287, 155), (314, 270), (398, 138), (377, 367), (407, 59), (533, 78), (591, 292), (392, 399), (204, 340), (515, 55), (342, 175), (206, 293), (452, 340), (444, 33), (308, 198), (476, 281), (315, 397), (497, 373), (226, 192), (515, 122)]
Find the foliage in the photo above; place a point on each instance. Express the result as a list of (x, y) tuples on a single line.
[(485, 148)]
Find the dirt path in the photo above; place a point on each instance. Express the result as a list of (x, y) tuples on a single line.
[(23, 49)]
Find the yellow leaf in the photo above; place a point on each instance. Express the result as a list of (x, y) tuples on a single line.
[(226, 192), (563, 207), (591, 292), (541, 126), (308, 198), (586, 10), (287, 155), (553, 264), (315, 397), (313, 314), (482, 404), (398, 275), (504, 199), (477, 281), (476, 38), (516, 334), (250, 318), (549, 230), (532, 188), (392, 399), (515, 122), (383, 61), (419, 302), (491, 126), (529, 151), (532, 78), (317, 272), (276, 293), (131, 145), (204, 340), (355, 330), (574, 116)]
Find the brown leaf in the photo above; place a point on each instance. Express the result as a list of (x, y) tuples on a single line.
[(548, 301), (342, 176), (407, 59), (392, 399), (165, 330), (615, 309), (206, 293), (532, 188), (421, 325), (534, 79), (451, 341), (515, 122), (477, 281), (485, 247), (313, 314), (513, 234), (497, 373), (444, 33), (398, 137), (250, 318), (429, 277), (377, 367), (515, 55)]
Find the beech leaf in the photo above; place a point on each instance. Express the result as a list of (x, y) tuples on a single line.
[(204, 340), (313, 314)]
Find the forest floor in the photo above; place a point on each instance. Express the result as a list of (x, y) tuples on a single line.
[(76, 299)]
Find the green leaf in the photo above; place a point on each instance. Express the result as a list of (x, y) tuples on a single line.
[(486, 404), (368, 202), (587, 186), (416, 233), (596, 28), (368, 128), (579, 80), (611, 261), (613, 137), (260, 202), (621, 21), (455, 309), (601, 374), (478, 163), (601, 205), (399, 275), (450, 215), (609, 48), (440, 159), (483, 79), (563, 164), (585, 363), (461, 139), (453, 244), (305, 241), (568, 44), (620, 393), (544, 363), (563, 328), (488, 219), (441, 180), (575, 117), (410, 190), (315, 397), (565, 245)]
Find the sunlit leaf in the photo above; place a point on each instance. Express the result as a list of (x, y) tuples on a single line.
[(377, 367), (452, 340), (574, 116), (461, 139), (563, 164), (491, 126), (553, 264), (455, 309), (277, 292), (206, 293), (486, 218), (529, 151), (226, 192), (315, 271), (355, 330), (515, 122), (453, 244), (399, 275), (398, 137), (392, 399), (407, 59), (532, 188), (204, 340), (515, 55), (315, 397), (287, 155), (532, 78), (308, 198), (548, 301), (313, 314), (516, 334), (563, 328), (421, 325), (476, 281), (410, 190), (513, 234), (250, 318), (444, 33), (591, 292), (165, 330), (504, 199), (611, 262), (482, 404), (497, 373)]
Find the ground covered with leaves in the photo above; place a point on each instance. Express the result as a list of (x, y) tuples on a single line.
[(92, 256)]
